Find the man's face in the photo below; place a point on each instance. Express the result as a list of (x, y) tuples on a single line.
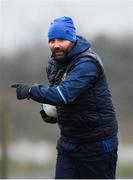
[(59, 47)]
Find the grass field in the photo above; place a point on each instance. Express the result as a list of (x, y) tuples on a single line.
[(124, 171), (24, 164), (21, 170)]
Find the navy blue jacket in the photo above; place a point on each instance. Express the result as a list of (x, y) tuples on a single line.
[(83, 99)]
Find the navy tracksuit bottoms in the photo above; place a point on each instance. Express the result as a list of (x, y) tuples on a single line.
[(86, 161)]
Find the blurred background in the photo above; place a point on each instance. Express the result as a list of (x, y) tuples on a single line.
[(27, 144)]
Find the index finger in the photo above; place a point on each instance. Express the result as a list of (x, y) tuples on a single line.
[(15, 85)]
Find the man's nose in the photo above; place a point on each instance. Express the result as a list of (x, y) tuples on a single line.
[(56, 44)]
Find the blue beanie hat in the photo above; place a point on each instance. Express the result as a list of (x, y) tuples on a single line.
[(62, 28)]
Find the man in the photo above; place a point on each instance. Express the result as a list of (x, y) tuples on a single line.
[(78, 88)]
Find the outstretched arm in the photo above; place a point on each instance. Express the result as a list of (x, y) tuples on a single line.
[(80, 78)]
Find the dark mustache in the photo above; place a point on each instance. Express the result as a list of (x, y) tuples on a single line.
[(56, 51)]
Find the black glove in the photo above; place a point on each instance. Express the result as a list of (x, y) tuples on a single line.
[(22, 90), (46, 118)]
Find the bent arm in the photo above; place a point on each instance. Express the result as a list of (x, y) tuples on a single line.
[(82, 76)]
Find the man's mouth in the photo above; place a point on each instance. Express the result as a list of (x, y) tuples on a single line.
[(59, 54)]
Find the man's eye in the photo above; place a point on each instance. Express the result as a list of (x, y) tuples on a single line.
[(61, 40), (52, 41), (56, 40)]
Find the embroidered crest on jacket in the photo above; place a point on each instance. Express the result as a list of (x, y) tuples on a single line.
[(64, 76)]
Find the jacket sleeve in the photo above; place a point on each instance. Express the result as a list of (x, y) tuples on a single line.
[(82, 76)]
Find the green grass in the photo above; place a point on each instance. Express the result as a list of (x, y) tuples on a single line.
[(26, 169), (124, 171), (15, 169)]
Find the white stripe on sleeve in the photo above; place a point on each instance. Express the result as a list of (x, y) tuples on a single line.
[(61, 94)]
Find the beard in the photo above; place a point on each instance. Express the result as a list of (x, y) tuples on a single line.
[(59, 55)]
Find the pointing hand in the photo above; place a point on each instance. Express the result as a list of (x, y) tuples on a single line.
[(22, 90)]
